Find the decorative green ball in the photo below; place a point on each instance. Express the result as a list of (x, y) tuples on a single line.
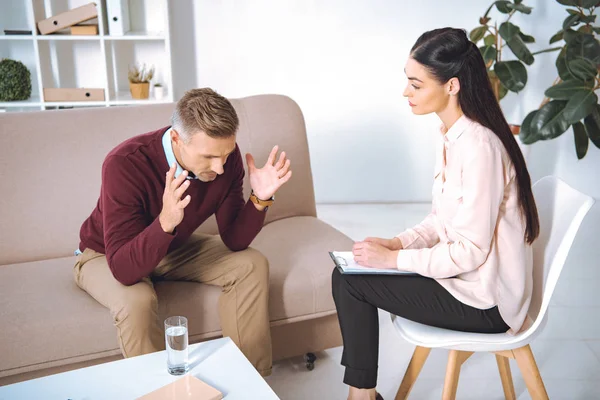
[(15, 81)]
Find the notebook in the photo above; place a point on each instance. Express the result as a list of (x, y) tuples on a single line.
[(187, 388), (344, 260)]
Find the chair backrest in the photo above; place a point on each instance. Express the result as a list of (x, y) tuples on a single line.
[(50, 164), (561, 210)]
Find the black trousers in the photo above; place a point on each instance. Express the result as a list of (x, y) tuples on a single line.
[(414, 297)]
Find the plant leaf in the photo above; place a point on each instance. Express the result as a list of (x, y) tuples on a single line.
[(571, 20), (558, 36), (566, 90), (478, 33), (526, 38), (549, 122), (592, 125), (569, 35), (502, 6), (588, 19), (520, 7), (580, 3), (526, 135), (579, 106), (584, 46), (596, 29), (581, 140), (512, 74), (582, 68), (489, 40), (588, 3), (510, 33), (561, 66), (489, 54), (508, 30)]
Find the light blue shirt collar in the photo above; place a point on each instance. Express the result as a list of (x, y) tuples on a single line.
[(168, 147)]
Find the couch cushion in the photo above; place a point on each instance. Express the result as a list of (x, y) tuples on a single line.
[(43, 310), (297, 249)]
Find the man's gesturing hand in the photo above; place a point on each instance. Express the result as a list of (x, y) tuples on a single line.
[(171, 214)]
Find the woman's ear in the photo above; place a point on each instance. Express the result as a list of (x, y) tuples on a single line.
[(453, 86)]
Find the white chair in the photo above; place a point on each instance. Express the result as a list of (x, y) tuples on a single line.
[(561, 211)]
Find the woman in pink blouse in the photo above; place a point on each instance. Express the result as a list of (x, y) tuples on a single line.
[(472, 254)]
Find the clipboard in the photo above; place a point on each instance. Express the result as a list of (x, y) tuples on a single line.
[(344, 262)]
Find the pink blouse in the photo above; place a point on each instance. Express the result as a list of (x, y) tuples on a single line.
[(473, 243)]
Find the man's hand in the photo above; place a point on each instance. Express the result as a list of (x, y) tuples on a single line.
[(171, 214), (390, 244), (267, 180), (369, 254)]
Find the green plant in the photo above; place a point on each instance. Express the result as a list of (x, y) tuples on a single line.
[(15, 81), (158, 85), (571, 99), (140, 74), (505, 75)]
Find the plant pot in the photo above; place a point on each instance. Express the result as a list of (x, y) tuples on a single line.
[(139, 90), (159, 92), (515, 129)]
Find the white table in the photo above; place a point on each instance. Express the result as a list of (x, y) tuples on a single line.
[(217, 362)]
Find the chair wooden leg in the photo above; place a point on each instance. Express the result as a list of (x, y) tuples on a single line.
[(412, 372), (506, 377), (530, 373), (456, 358)]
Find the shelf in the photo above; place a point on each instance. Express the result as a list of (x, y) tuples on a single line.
[(33, 101), (124, 98), (65, 36), (16, 37), (138, 35)]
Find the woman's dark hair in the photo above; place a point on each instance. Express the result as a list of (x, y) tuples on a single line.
[(448, 53)]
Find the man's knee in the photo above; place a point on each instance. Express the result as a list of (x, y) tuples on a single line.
[(137, 302), (257, 265)]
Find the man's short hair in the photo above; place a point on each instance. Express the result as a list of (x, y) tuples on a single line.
[(204, 110)]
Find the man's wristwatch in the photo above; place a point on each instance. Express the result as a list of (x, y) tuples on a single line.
[(265, 203)]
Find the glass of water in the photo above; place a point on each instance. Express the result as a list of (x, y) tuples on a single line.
[(176, 337)]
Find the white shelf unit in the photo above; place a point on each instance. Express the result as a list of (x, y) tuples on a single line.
[(79, 61)]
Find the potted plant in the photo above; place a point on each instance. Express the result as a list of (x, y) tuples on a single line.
[(159, 91), (139, 81), (15, 81), (510, 75), (571, 100)]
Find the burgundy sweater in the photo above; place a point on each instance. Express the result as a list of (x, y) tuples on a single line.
[(124, 225)]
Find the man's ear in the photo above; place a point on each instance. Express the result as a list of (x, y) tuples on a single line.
[(175, 136), (453, 86)]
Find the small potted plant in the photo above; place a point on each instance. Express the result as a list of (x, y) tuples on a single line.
[(159, 91), (139, 81), (15, 81)]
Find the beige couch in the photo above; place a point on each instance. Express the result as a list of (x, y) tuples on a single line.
[(49, 183)]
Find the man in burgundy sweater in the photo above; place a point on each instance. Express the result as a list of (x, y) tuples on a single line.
[(157, 189)]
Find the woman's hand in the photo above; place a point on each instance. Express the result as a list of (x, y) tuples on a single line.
[(390, 244), (374, 255)]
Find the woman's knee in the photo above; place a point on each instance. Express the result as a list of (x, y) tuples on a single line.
[(337, 280)]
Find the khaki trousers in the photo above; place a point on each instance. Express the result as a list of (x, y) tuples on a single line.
[(243, 304)]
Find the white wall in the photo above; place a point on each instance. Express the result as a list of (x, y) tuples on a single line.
[(342, 61)]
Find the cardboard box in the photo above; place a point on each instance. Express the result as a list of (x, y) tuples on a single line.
[(87, 29), (73, 94), (67, 19)]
